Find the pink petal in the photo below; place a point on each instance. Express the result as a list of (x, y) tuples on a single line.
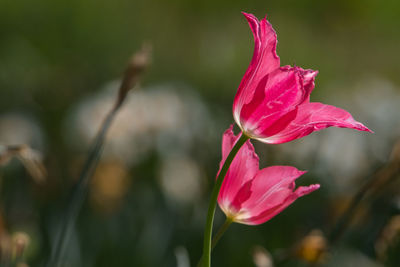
[(264, 61), (314, 117), (270, 187), (277, 94), (243, 168), (308, 80), (272, 212), (228, 141)]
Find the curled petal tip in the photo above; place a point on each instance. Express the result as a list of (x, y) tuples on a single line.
[(249, 15), (366, 129), (315, 186), (302, 172), (361, 127), (230, 129), (305, 190), (309, 74)]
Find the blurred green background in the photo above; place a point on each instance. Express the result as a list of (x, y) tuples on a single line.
[(60, 63)]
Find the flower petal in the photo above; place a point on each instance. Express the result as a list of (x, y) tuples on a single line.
[(314, 117), (272, 212), (277, 94), (308, 81), (243, 169), (264, 61), (270, 187)]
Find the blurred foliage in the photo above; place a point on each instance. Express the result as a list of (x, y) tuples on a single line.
[(55, 54)]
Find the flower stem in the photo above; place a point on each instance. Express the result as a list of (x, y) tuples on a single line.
[(213, 201), (221, 232), (217, 237)]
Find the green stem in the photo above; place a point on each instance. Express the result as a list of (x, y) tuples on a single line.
[(213, 201), (221, 232), (217, 237)]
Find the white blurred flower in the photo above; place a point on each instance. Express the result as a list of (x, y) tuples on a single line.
[(182, 257), (261, 257), (17, 129), (166, 118), (180, 179)]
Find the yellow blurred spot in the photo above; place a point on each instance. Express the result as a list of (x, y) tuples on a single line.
[(20, 241), (109, 185), (313, 247)]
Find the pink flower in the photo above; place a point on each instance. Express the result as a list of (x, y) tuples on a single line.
[(273, 104), (252, 196)]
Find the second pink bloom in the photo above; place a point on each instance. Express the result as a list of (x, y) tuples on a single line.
[(252, 196)]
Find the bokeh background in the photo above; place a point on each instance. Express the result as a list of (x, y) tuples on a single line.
[(60, 66)]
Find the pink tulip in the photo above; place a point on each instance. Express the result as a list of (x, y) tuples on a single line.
[(272, 103), (252, 196)]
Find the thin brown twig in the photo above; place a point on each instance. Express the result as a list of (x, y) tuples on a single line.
[(131, 77)]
